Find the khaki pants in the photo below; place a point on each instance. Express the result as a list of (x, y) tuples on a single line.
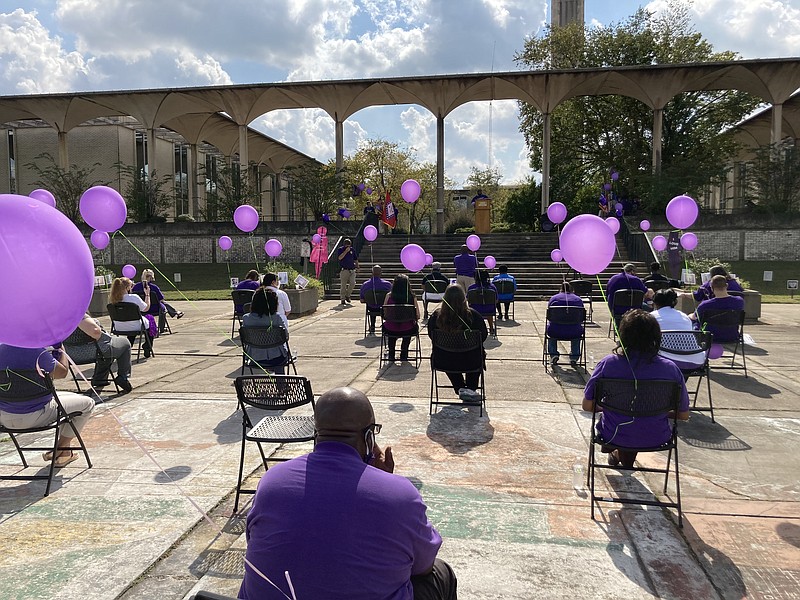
[(71, 402), (464, 281), (348, 279)]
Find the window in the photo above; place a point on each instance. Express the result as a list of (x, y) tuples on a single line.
[(12, 172)]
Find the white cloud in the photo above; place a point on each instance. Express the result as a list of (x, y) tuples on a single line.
[(310, 131), (205, 69)]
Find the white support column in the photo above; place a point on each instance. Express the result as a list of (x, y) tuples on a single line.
[(546, 163), (63, 151), (775, 134), (191, 167), (658, 124), (151, 151), (244, 154), (340, 155), (439, 174)]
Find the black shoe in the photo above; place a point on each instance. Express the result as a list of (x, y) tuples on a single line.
[(99, 383), (123, 384), (573, 362), (147, 353), (403, 357), (179, 315), (554, 359), (507, 318), (372, 332)]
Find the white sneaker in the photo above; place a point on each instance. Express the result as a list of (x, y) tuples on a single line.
[(468, 395)]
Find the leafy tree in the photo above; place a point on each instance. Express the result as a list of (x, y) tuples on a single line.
[(226, 191), (67, 185), (145, 194), (315, 187), (485, 180), (522, 205), (773, 178), (590, 135)]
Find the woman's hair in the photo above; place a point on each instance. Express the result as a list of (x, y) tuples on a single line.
[(265, 302), (401, 292), (665, 297), (482, 277), (718, 270), (252, 275), (119, 288), (639, 332), (148, 275), (454, 314)]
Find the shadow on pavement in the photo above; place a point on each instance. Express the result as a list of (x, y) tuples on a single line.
[(739, 383), (721, 570), (700, 432), (460, 429)]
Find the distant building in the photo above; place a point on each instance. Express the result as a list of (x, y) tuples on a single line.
[(564, 12)]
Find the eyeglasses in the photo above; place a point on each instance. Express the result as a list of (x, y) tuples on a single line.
[(374, 427)]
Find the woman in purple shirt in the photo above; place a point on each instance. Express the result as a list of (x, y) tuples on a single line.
[(705, 292), (636, 357), (401, 293)]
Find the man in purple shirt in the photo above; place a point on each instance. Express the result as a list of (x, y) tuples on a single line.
[(559, 331), (466, 264), (379, 285), (627, 280), (348, 262), (339, 522), (721, 300)]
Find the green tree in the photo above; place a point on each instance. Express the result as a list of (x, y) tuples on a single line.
[(522, 205), (67, 185), (773, 178), (315, 187), (145, 194), (590, 135), (226, 191)]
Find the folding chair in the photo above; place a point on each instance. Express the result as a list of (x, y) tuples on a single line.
[(725, 324), (399, 313), (264, 338), (686, 344), (83, 349), (469, 346), (163, 323), (241, 300), (583, 288), (373, 298), (488, 297), (432, 287), (22, 386), (506, 286), (565, 315), (275, 393), (636, 398), (658, 284), (127, 311), (626, 299)]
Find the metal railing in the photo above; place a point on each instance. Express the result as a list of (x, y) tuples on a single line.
[(637, 244), (331, 267)]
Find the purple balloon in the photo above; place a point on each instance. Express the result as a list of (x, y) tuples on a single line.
[(273, 248), (682, 212), (326, 218), (37, 238), (246, 218), (689, 241), (345, 214), (370, 233), (103, 208), (428, 259), (556, 256), (473, 242), (490, 262), (316, 238), (607, 186), (361, 187), (43, 196), (369, 191), (716, 351), (644, 225), (614, 175), (659, 243), (129, 271), (225, 242), (556, 212), (410, 190), (618, 206), (619, 212), (100, 239), (613, 224), (413, 257), (587, 244)]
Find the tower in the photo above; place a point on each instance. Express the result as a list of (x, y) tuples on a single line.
[(564, 12)]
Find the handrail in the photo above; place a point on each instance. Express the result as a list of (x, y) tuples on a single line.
[(326, 274), (637, 244)]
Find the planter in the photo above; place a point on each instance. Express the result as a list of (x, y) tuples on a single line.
[(99, 303), (304, 302), (752, 305)]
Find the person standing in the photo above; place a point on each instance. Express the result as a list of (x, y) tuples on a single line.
[(466, 264), (348, 262)]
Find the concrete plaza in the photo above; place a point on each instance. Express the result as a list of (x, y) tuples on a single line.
[(498, 487)]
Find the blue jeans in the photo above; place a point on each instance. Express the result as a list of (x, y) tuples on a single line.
[(574, 352)]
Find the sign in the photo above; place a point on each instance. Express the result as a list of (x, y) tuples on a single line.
[(176, 277), (234, 282), (687, 276), (791, 284), (767, 275), (705, 277), (109, 279), (305, 249), (301, 282), (283, 278)]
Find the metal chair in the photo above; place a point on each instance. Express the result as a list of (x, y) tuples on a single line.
[(627, 299), (682, 345), (275, 393), (163, 323), (658, 284), (636, 398), (264, 338), (583, 288), (565, 315), (485, 296), (399, 313), (373, 298), (83, 349), (726, 324), (468, 346), (506, 286), (432, 286), (20, 386), (127, 311), (241, 298)]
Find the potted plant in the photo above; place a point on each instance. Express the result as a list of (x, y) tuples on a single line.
[(102, 288)]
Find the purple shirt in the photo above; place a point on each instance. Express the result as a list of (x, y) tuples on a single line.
[(704, 292), (623, 281), (721, 334), (12, 357), (484, 309), (377, 284), (348, 261), (341, 528), (466, 264), (248, 284), (156, 297), (636, 432), (559, 331)]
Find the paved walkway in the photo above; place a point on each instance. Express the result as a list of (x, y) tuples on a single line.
[(499, 488)]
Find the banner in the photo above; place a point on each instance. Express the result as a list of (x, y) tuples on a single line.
[(389, 214), (674, 258)]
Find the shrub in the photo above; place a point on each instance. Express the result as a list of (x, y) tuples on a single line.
[(461, 219), (184, 219)]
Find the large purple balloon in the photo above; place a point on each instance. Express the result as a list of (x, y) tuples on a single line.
[(273, 248), (659, 243), (316, 238), (557, 212), (413, 257), (556, 256), (38, 239), (587, 244), (473, 242), (410, 190), (689, 241), (129, 271), (644, 225), (43, 196), (370, 233), (100, 239), (103, 208), (682, 212), (246, 218), (613, 224), (225, 242), (490, 262)]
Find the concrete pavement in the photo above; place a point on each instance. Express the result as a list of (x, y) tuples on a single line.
[(498, 487)]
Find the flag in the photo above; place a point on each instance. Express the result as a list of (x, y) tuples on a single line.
[(389, 214)]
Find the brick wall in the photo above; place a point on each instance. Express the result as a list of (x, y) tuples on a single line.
[(734, 245)]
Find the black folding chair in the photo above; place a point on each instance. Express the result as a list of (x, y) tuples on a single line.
[(627, 299), (487, 297), (163, 323), (263, 338), (373, 298), (683, 345), (720, 322), (636, 398), (83, 349), (399, 313), (127, 311), (565, 315), (583, 288), (276, 394), (20, 386), (468, 345), (241, 301), (432, 286), (506, 286), (658, 284)]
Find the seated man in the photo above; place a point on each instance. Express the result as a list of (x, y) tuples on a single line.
[(557, 331), (627, 280), (721, 301), (438, 281), (339, 522), (112, 347), (670, 319), (505, 299), (656, 275), (377, 284), (704, 292), (271, 282)]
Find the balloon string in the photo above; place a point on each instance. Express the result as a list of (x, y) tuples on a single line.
[(253, 246), (616, 329)]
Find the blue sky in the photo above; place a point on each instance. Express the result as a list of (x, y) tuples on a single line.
[(74, 45)]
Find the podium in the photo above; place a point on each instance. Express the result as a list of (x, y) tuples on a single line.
[(483, 215)]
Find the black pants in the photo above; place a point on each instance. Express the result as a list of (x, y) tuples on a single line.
[(439, 584), (405, 337), (467, 380), (508, 305), (148, 343)]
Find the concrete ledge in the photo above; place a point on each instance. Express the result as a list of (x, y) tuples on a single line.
[(752, 305), (304, 302)]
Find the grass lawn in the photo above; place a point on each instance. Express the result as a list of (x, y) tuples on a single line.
[(773, 292)]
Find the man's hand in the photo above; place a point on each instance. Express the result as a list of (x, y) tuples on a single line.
[(383, 459)]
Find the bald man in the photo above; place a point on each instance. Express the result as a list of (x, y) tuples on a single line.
[(339, 522)]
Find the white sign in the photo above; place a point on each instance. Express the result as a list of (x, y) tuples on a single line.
[(99, 280), (109, 279), (791, 284), (234, 282), (705, 277), (305, 249), (283, 278), (687, 276), (767, 275), (301, 282), (176, 277)]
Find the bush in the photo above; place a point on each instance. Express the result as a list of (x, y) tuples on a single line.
[(292, 274), (461, 219), (461, 230), (703, 265), (184, 219)]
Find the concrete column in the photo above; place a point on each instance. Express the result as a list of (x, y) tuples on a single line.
[(546, 163), (194, 200), (775, 134), (151, 151), (244, 154), (658, 121), (440, 174), (63, 151), (340, 155)]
